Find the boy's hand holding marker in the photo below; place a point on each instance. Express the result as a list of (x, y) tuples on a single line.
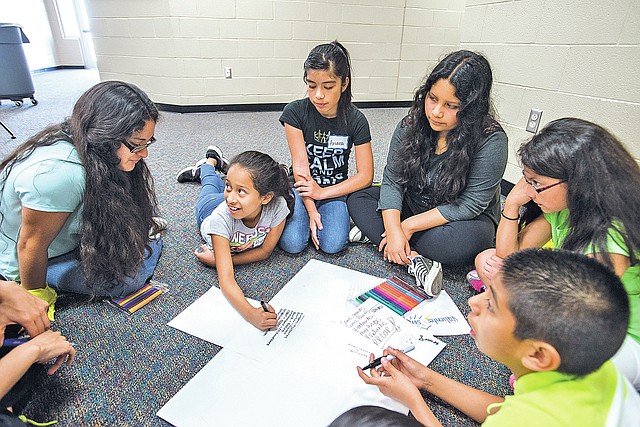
[(399, 377)]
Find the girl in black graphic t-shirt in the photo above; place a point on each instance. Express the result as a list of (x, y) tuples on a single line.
[(322, 130)]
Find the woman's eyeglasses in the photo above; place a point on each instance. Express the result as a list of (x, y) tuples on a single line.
[(541, 189), (137, 148)]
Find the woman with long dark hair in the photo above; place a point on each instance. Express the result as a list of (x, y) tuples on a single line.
[(587, 186), (439, 199), (78, 202)]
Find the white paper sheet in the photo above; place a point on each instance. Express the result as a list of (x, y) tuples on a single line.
[(381, 327), (264, 346), (319, 289), (211, 318), (309, 388), (304, 374), (323, 290), (439, 316)]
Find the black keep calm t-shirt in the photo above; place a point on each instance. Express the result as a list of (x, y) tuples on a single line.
[(328, 143)]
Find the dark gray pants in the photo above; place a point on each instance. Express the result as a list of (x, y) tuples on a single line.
[(455, 243)]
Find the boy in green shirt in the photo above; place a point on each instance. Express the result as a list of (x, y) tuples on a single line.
[(554, 318)]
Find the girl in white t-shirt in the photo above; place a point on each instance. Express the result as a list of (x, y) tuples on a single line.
[(258, 199)]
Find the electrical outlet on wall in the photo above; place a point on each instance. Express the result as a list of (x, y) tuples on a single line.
[(534, 120), (227, 72)]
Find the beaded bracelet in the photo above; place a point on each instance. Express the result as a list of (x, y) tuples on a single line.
[(510, 219)]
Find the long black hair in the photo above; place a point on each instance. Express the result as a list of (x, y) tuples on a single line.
[(268, 176), (470, 74), (117, 206), (334, 58), (602, 179)]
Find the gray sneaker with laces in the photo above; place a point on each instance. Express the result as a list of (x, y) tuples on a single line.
[(428, 274), (159, 225)]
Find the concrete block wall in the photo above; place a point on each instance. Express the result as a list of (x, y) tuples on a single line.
[(568, 58), (177, 50)]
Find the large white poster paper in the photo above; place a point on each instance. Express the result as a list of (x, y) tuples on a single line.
[(382, 328), (310, 386), (304, 373), (211, 318), (321, 290)]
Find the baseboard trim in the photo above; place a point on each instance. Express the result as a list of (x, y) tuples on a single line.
[(276, 106), (58, 67), (218, 108)]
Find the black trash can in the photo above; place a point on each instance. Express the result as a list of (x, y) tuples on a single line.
[(15, 76)]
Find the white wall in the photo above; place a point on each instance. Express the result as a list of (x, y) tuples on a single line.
[(569, 58), (177, 49), (47, 47)]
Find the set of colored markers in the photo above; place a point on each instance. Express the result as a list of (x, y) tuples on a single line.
[(397, 294)]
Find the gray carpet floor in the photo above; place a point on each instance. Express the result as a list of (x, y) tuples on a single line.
[(128, 366)]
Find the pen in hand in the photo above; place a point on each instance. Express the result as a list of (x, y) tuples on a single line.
[(264, 306), (14, 342), (377, 362)]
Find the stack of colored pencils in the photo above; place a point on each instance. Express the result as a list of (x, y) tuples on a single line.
[(138, 299)]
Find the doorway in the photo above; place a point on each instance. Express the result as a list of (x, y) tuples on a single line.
[(74, 23)]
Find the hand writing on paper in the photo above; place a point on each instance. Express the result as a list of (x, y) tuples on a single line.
[(263, 320), (205, 256), (414, 370), (393, 383)]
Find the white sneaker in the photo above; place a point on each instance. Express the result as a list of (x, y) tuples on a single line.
[(357, 236), (159, 225), (214, 152), (191, 173), (428, 274)]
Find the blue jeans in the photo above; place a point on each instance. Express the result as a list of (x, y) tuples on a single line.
[(335, 226), (65, 274), (211, 193)]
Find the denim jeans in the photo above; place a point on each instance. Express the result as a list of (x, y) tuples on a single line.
[(65, 274), (335, 226), (211, 193)]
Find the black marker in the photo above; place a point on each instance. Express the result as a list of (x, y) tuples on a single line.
[(377, 362), (264, 306)]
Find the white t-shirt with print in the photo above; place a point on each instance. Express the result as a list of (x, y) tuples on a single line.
[(240, 236)]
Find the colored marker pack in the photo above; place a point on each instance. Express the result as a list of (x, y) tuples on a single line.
[(143, 296), (397, 294)]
